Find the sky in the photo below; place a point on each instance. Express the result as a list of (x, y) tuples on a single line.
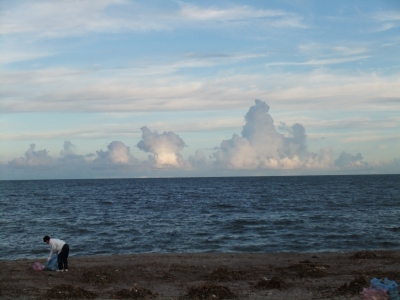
[(128, 89)]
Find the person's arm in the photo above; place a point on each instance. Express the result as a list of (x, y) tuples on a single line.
[(51, 252)]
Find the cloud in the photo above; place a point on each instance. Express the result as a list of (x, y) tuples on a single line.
[(34, 159), (199, 160), (348, 161), (70, 159), (165, 147), (320, 62), (387, 19), (325, 50), (241, 15), (262, 147), (74, 90), (12, 56), (387, 166), (60, 19), (116, 155)]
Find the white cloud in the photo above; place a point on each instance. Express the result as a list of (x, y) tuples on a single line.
[(241, 15), (164, 146), (348, 161), (34, 159), (70, 18), (66, 18), (319, 62), (68, 149), (116, 155), (262, 147), (10, 56), (70, 90), (199, 161), (315, 49), (372, 137)]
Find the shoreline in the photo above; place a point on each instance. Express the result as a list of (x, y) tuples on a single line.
[(278, 275)]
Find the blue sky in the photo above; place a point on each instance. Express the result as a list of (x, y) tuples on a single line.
[(115, 88)]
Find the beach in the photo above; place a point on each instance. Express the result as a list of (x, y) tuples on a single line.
[(297, 276)]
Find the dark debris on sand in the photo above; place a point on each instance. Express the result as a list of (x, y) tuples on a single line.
[(136, 292), (391, 275), (209, 291), (303, 270), (67, 291), (364, 255), (98, 277), (224, 274), (273, 283), (354, 287)]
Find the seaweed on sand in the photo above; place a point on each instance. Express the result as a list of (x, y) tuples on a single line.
[(98, 277), (136, 292), (68, 291), (364, 255), (224, 274), (354, 287), (273, 283), (210, 291)]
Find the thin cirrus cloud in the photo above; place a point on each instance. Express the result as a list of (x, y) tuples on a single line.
[(242, 15), (80, 90), (324, 50), (319, 62), (59, 19), (387, 20)]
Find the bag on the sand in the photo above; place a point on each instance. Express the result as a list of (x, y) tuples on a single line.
[(52, 264), (374, 294), (387, 285), (37, 266)]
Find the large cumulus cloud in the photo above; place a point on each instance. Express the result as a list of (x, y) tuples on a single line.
[(261, 146), (164, 146), (116, 155)]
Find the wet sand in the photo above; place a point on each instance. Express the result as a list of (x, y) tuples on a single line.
[(202, 276)]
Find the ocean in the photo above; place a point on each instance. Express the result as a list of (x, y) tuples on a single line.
[(223, 214)]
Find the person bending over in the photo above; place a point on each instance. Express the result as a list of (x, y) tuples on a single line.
[(62, 249)]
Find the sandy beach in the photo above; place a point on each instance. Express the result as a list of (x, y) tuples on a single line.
[(203, 276)]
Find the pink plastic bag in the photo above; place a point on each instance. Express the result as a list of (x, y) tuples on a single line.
[(37, 266), (374, 294)]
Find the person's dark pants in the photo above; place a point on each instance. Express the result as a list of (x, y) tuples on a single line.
[(63, 257)]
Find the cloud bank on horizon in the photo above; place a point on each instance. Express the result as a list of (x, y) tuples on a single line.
[(260, 148), (118, 88)]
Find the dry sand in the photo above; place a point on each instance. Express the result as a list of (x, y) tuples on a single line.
[(203, 276)]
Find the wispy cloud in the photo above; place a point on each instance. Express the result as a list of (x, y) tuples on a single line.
[(76, 90), (59, 19), (243, 15), (319, 62), (324, 50), (372, 138), (126, 130), (386, 20), (8, 57)]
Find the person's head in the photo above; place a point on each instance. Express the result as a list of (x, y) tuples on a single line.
[(46, 239)]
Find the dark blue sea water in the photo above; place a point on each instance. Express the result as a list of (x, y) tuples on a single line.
[(233, 214)]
